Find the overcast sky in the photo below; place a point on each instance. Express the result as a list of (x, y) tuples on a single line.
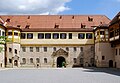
[(105, 7)]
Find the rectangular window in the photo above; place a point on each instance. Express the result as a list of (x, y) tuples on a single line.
[(3, 33), (23, 35), (116, 32), (0, 32), (9, 33), (67, 49), (81, 36), (116, 52), (62, 35), (45, 49), (74, 48), (75, 60), (54, 48), (111, 34), (15, 51), (40, 35), (31, 49), (37, 49), (10, 49), (70, 35), (47, 35), (16, 33), (29, 35), (88, 35), (24, 49), (55, 35), (81, 48), (119, 51), (102, 32), (103, 57)]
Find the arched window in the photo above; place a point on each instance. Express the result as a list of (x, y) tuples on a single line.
[(45, 60), (37, 60), (31, 60), (24, 60)]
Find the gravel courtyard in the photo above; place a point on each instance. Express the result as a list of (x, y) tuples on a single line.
[(76, 75)]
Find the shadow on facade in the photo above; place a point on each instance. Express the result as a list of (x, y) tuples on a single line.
[(112, 71)]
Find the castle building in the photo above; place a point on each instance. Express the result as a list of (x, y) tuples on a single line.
[(47, 41)]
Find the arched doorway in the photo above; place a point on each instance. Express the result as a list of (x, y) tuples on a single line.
[(110, 63), (60, 60), (15, 63)]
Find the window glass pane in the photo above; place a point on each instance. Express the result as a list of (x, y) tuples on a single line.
[(45, 60), (81, 36), (31, 49), (54, 48), (75, 60), (88, 35), (10, 49), (31, 60), (47, 35), (55, 36), (40, 35), (23, 35), (102, 32), (75, 49), (15, 51), (24, 49), (37, 49), (24, 61), (62, 35), (37, 60), (70, 35), (16, 33), (9, 33), (29, 35), (3, 33), (45, 49), (0, 32), (67, 49)]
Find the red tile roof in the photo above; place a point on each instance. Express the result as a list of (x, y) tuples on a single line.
[(49, 21)]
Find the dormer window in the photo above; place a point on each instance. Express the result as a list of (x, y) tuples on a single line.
[(18, 26), (27, 26), (83, 25), (73, 17), (60, 17), (56, 26), (28, 17), (90, 19), (8, 20)]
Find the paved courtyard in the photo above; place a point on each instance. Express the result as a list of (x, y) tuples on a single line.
[(77, 75)]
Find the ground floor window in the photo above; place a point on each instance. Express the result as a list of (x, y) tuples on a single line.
[(31, 60), (24, 61), (45, 60)]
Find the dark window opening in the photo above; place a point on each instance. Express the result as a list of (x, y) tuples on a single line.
[(103, 57), (90, 19), (31, 49), (81, 36), (23, 35), (83, 26), (18, 26), (75, 60), (10, 49), (116, 51), (9, 33), (16, 33), (24, 49), (67, 49), (45, 60), (10, 60), (54, 48), (111, 34), (45, 49), (56, 26), (70, 35), (47, 35), (40, 35), (88, 35), (74, 48), (8, 20), (15, 51), (31, 60), (29, 35), (27, 26), (62, 35), (102, 32), (55, 35)]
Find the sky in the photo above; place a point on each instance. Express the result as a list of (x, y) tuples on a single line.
[(55, 7)]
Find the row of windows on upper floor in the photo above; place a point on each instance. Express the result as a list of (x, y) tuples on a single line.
[(114, 32), (56, 35), (45, 49)]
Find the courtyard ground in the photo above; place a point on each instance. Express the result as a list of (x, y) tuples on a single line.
[(60, 75)]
